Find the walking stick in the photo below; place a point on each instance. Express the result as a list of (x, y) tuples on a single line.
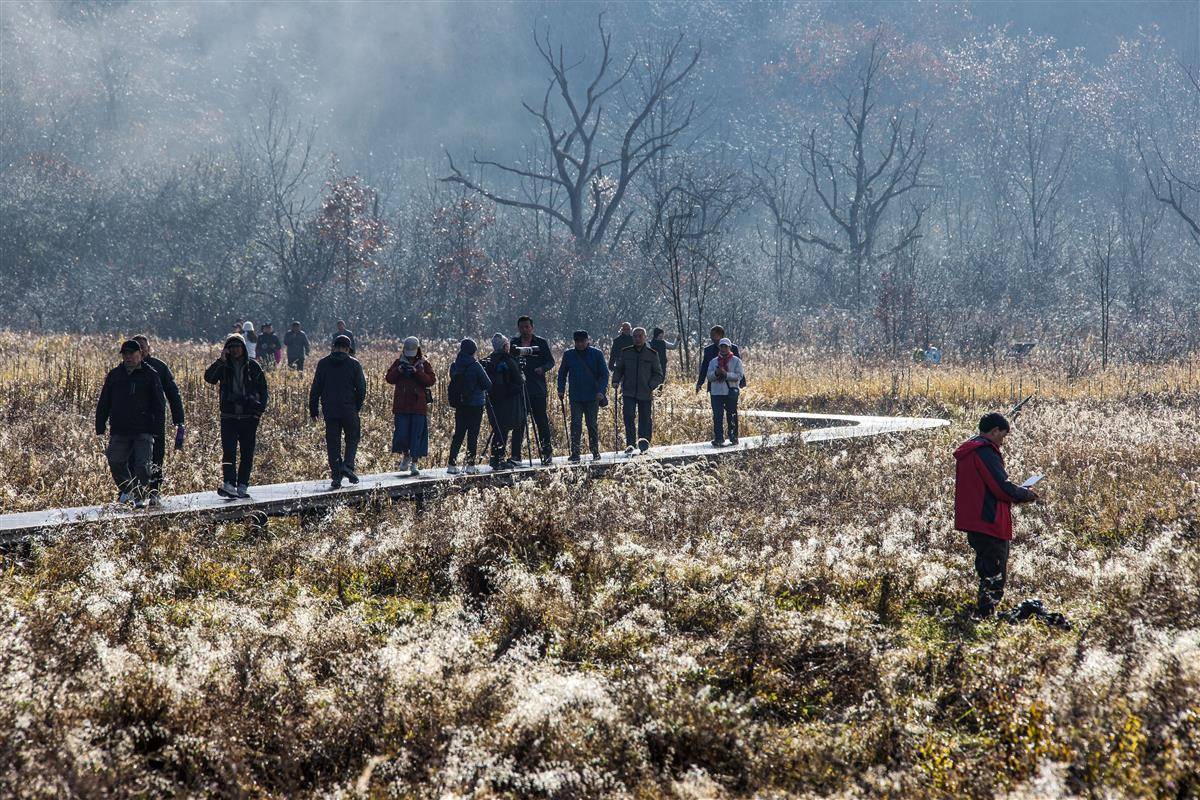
[(562, 406)]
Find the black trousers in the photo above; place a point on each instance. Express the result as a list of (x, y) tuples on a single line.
[(991, 564), (589, 411), (541, 419), (467, 421), (724, 407), (128, 457), (158, 455), (296, 364), (238, 436), (641, 409), (335, 430)]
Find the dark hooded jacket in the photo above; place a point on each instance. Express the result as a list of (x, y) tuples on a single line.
[(170, 387), (983, 494), (474, 379), (339, 387), (131, 402), (535, 384), (243, 387), (506, 394)]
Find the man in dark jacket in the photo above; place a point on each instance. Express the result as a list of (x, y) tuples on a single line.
[(243, 399), (710, 352), (342, 330), (533, 353), (339, 388), (296, 342), (132, 407), (268, 348), (171, 390), (506, 400), (983, 496), (638, 374), (467, 393), (584, 366), (624, 339)]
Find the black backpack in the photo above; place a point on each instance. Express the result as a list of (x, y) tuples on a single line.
[(456, 392)]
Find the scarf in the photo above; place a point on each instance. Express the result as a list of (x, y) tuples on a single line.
[(723, 361)]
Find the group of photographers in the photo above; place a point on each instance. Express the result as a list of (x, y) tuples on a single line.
[(509, 386)]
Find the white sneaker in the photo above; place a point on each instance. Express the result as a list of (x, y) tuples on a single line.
[(470, 469), (404, 464), (451, 470)]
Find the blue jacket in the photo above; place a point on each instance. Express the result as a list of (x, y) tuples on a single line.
[(477, 379), (589, 374)]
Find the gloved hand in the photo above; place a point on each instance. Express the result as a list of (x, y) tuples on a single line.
[(179, 434)]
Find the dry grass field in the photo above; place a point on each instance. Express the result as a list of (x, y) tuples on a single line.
[(789, 622)]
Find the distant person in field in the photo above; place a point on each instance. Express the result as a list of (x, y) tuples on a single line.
[(535, 366), (175, 402), (467, 394), (583, 366), (342, 330), (251, 339), (269, 347), (237, 325), (133, 408), (296, 342), (983, 498), (717, 333), (411, 375), (506, 400), (638, 374), (624, 339), (338, 391), (724, 378), (243, 399), (660, 345)]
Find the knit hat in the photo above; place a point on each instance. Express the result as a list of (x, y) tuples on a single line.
[(581, 336), (499, 340), (130, 346), (341, 341), (248, 327), (726, 342), (411, 344), (235, 338), (468, 347)]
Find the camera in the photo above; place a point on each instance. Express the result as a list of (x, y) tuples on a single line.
[(525, 351)]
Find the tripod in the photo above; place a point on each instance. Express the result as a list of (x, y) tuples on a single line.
[(525, 399)]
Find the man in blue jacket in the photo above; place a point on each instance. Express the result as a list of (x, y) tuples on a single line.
[(588, 373), (339, 389)]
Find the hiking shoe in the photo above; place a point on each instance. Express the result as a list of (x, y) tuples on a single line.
[(595, 455), (643, 445), (547, 460), (139, 503), (629, 450), (573, 458), (733, 441), (452, 470), (227, 490), (243, 490), (335, 483), (405, 463), (348, 474), (155, 500), (412, 469), (716, 443)]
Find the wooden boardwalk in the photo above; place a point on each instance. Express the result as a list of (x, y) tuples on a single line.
[(302, 497)]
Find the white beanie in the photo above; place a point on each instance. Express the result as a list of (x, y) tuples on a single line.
[(247, 326), (499, 340)]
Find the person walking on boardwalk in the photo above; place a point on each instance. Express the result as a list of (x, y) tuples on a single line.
[(412, 376), (660, 345), (342, 330), (175, 402), (624, 339), (269, 347), (338, 391), (583, 366), (132, 407), (296, 342), (506, 406), (983, 499), (717, 333), (251, 339), (638, 374), (466, 394), (243, 399), (534, 356), (724, 381)]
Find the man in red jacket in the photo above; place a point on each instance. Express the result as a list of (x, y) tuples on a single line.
[(983, 497)]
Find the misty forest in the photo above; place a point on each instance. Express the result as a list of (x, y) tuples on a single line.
[(919, 522)]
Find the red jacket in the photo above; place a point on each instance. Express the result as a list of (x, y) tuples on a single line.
[(409, 396), (983, 495)]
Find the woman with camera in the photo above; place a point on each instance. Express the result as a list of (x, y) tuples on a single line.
[(412, 376), (243, 401), (725, 374)]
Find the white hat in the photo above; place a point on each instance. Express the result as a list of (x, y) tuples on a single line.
[(410, 346), (724, 341), (247, 326)]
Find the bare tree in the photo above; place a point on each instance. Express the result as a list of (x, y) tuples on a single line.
[(1169, 182), (588, 176), (856, 191), (1103, 248)]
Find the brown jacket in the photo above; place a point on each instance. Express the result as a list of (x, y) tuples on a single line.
[(409, 396)]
